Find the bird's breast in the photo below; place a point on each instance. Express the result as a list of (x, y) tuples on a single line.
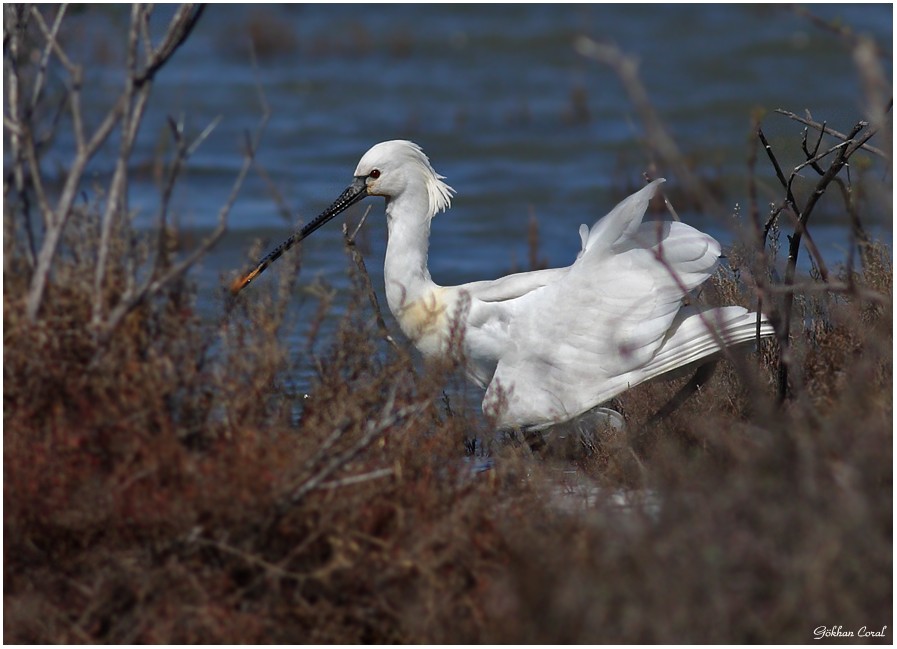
[(426, 320)]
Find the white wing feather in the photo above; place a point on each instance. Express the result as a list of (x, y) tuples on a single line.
[(564, 347)]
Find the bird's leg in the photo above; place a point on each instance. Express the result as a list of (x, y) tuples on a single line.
[(702, 375), (519, 437), (535, 440)]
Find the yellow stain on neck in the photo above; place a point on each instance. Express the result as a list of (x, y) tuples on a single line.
[(427, 316)]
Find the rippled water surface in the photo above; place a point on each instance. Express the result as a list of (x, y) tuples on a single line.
[(518, 122)]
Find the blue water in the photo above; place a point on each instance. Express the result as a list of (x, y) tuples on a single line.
[(517, 120)]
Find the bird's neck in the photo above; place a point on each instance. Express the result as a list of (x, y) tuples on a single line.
[(405, 268)]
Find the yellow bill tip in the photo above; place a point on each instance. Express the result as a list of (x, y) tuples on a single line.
[(240, 283)]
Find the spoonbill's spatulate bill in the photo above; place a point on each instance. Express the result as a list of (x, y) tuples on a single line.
[(546, 345)]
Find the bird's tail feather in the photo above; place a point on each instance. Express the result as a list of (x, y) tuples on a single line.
[(700, 332)]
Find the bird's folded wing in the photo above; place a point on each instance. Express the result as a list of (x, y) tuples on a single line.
[(513, 286)]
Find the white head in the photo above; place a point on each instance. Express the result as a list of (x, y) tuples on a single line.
[(387, 169)]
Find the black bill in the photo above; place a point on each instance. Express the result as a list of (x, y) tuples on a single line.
[(354, 193)]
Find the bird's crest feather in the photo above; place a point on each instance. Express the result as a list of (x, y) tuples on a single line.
[(439, 193)]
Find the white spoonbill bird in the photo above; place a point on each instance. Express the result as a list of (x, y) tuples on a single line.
[(547, 345)]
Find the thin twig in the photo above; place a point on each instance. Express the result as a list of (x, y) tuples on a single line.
[(183, 150), (45, 57), (849, 288), (808, 154), (152, 285), (17, 131), (56, 219), (822, 128), (282, 207), (715, 330), (366, 278), (760, 235), (813, 159), (656, 135), (249, 558), (357, 479), (843, 31), (387, 418), (50, 35), (372, 430), (809, 242), (772, 158), (180, 27), (116, 201)]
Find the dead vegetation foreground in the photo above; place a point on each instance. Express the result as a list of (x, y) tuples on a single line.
[(171, 486)]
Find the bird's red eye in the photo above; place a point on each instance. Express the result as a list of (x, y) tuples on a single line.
[(375, 174)]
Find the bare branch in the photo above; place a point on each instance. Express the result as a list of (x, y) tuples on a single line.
[(76, 75), (179, 29), (183, 151), (366, 278), (357, 479), (760, 235), (849, 288), (17, 130), (813, 158), (206, 132), (657, 137), (57, 220), (50, 35), (822, 128), (12, 126), (809, 154), (772, 158), (153, 285), (283, 208), (843, 31), (45, 57), (116, 201), (877, 88), (372, 430), (851, 143), (833, 170), (138, 86), (248, 557)]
